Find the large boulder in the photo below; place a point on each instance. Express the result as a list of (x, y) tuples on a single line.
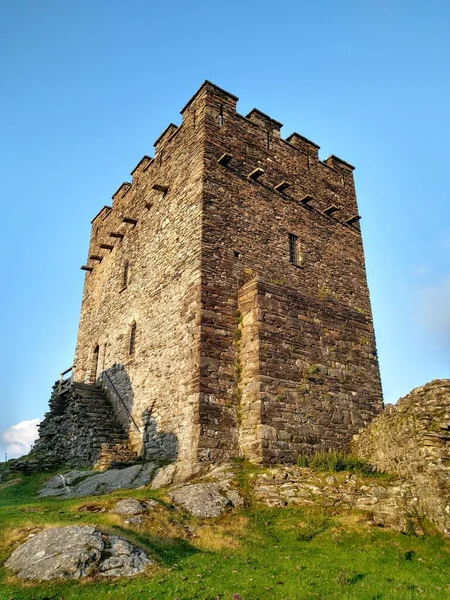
[(77, 484), (74, 552), (412, 439), (205, 499)]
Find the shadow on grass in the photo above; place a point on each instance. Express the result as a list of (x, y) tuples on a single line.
[(165, 550), (349, 578)]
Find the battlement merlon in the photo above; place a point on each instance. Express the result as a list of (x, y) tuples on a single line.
[(166, 135), (121, 191), (338, 164), (304, 145), (229, 100), (263, 120), (102, 213), (142, 164)]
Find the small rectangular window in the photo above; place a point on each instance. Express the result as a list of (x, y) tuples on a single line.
[(294, 250)]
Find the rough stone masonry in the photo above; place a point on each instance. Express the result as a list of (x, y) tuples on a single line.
[(225, 295)]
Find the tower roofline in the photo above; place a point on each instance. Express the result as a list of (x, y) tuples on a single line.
[(204, 84)]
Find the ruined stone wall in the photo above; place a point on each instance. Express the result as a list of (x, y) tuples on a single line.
[(160, 241), (412, 439), (246, 235), (79, 429)]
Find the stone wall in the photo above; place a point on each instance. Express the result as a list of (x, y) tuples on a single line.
[(317, 369), (412, 439), (145, 254), (314, 315)]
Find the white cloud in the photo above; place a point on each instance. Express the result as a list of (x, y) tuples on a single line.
[(20, 437), (435, 311)]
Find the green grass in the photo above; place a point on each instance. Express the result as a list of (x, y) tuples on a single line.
[(256, 553), (336, 461)]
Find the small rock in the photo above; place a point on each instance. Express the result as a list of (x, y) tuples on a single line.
[(379, 491), (234, 497), (134, 521), (125, 561), (366, 501), (128, 507)]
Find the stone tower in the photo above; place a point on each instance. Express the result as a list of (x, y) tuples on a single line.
[(225, 298)]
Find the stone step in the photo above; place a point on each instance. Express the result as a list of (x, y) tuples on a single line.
[(98, 426)]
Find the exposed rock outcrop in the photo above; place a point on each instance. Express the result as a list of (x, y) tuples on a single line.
[(412, 439), (77, 484), (387, 503), (74, 552)]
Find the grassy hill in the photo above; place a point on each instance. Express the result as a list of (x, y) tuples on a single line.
[(250, 554)]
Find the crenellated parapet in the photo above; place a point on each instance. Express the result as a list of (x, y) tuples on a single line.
[(212, 106)]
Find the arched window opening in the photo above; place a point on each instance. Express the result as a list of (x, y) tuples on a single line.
[(132, 343)]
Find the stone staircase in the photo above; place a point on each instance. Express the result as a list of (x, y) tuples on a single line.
[(81, 429)]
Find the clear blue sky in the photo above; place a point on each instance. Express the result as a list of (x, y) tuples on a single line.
[(87, 86)]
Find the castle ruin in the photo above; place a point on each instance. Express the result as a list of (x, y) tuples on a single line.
[(225, 309)]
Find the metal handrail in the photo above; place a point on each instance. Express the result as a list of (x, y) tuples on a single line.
[(121, 399)]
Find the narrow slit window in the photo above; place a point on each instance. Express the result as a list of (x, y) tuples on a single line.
[(94, 364), (132, 344), (126, 268), (221, 115), (295, 257)]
